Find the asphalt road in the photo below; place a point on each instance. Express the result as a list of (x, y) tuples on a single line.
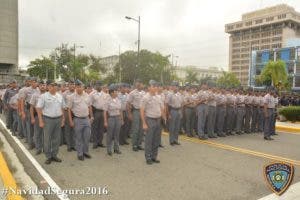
[(191, 171)]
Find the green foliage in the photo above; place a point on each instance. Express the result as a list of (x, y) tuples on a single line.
[(191, 76), (291, 113), (84, 67), (228, 80), (151, 66), (275, 74)]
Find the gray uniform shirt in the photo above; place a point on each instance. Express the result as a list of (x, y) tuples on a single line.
[(152, 105), (79, 104), (34, 99), (51, 105), (124, 99), (240, 100), (29, 91), (175, 100), (211, 99), (269, 100), (99, 100), (113, 107), (135, 98)]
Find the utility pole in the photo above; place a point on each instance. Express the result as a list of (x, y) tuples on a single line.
[(120, 67)]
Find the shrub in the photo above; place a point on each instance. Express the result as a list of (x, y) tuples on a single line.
[(291, 113)]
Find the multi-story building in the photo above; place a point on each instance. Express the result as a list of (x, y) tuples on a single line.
[(202, 72), (264, 29), (109, 63), (8, 38), (290, 55)]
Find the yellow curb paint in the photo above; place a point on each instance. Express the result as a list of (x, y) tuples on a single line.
[(8, 180), (240, 150), (287, 129)]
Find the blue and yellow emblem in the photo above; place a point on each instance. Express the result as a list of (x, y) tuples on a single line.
[(279, 176)]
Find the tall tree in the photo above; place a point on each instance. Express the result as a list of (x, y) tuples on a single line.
[(275, 71), (41, 68), (191, 76), (228, 80)]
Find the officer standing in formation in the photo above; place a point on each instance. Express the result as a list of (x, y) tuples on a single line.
[(113, 120), (80, 118), (133, 106), (38, 112), (152, 111), (50, 109)]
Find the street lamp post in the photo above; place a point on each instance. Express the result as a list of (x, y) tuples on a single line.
[(138, 20), (75, 46)]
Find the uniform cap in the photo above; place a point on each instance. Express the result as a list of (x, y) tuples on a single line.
[(175, 83), (153, 83), (78, 82)]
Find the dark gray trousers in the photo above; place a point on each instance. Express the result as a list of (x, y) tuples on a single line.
[(248, 116), (70, 137), (230, 115), (136, 128), (52, 132), (113, 133), (98, 128), (189, 120), (29, 128), (174, 125), (211, 119), (15, 122), (38, 135), (221, 113), (261, 119), (255, 117), (82, 129), (152, 138), (268, 126), (240, 119), (202, 111)]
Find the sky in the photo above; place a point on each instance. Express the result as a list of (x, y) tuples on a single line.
[(191, 30)]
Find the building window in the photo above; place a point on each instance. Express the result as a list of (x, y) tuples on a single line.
[(239, 25), (281, 16), (248, 23), (268, 19), (259, 21)]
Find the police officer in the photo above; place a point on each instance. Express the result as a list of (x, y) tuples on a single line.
[(240, 102), (269, 107), (27, 97), (189, 104), (152, 110), (50, 113), (175, 103), (123, 97), (9, 93), (248, 111), (202, 110), (80, 107), (13, 104), (38, 131), (133, 106), (211, 116), (255, 113), (261, 118), (98, 100), (69, 131), (113, 120), (221, 101), (230, 112)]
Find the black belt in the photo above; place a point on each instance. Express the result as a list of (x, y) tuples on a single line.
[(81, 117), (110, 116), (98, 110), (51, 117), (175, 108), (133, 108), (152, 118)]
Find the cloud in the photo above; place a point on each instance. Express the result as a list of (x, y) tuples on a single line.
[(191, 29)]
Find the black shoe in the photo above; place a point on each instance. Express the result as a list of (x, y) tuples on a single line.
[(274, 134), (155, 161), (117, 152), (95, 146), (126, 143), (38, 152), (161, 146), (69, 149), (81, 158), (172, 143), (101, 145), (268, 138), (177, 143), (202, 138), (56, 159), (135, 149), (31, 147), (48, 161), (73, 149), (149, 162), (87, 155), (140, 148), (109, 153)]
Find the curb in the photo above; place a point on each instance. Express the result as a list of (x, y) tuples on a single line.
[(11, 189), (288, 129)]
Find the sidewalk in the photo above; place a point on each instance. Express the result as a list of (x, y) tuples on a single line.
[(288, 127)]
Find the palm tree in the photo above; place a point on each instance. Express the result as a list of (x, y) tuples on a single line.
[(191, 76), (276, 71)]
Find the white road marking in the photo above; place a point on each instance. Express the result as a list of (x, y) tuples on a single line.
[(55, 188)]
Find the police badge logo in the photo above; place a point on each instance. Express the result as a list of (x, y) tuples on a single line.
[(279, 176)]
